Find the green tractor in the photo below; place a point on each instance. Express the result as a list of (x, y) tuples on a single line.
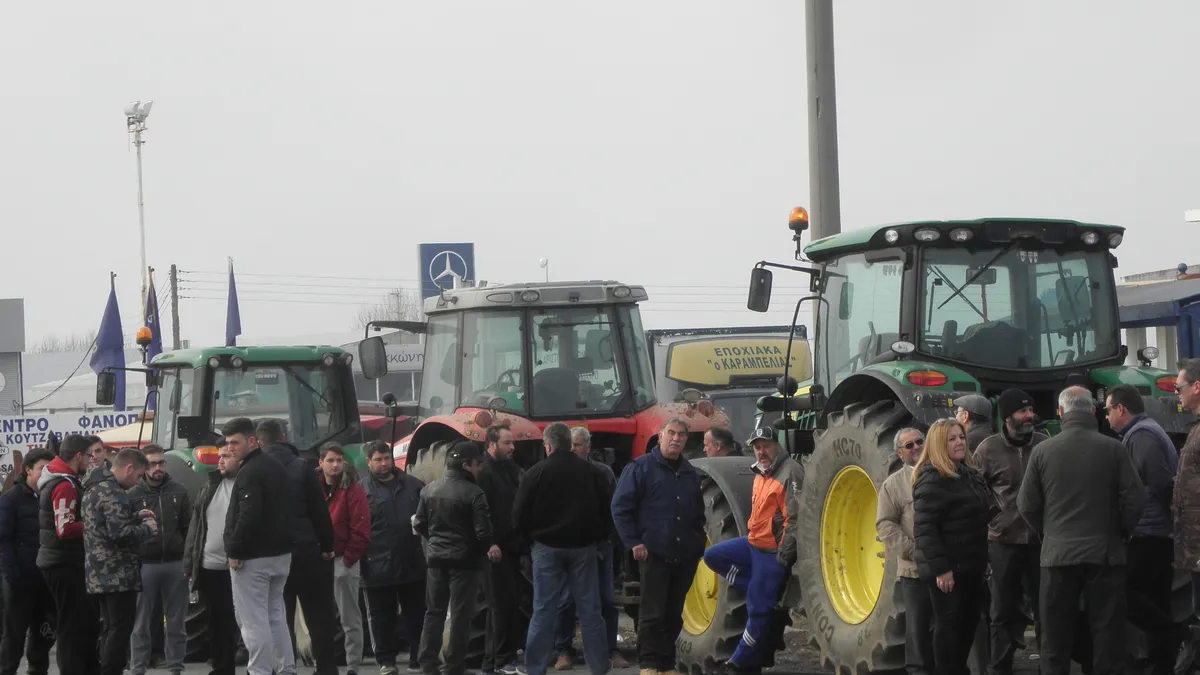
[(309, 390), (908, 318)]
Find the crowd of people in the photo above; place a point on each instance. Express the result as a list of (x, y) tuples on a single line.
[(98, 547), (1075, 534)]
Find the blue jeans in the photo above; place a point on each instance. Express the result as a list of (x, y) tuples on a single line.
[(553, 570), (608, 607), (760, 577)]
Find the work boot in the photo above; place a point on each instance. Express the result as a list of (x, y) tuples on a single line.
[(618, 661), (563, 662)]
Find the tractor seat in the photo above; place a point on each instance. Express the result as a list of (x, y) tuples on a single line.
[(555, 390), (1000, 341)]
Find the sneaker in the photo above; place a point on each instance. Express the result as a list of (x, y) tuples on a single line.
[(618, 661), (510, 669), (413, 668), (563, 662), (388, 670)]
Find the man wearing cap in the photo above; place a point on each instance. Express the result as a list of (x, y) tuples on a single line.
[(1013, 547), (452, 516), (757, 564), (975, 413)]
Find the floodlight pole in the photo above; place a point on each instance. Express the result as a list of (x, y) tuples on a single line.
[(137, 124)]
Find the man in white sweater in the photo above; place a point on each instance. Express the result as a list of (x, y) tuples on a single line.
[(206, 565), (894, 523)]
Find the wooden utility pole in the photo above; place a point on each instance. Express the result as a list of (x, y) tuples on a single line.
[(174, 307)]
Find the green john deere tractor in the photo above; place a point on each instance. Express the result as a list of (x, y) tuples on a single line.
[(908, 318), (309, 390)]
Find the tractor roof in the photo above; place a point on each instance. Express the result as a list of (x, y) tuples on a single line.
[(544, 294), (198, 357), (996, 230)]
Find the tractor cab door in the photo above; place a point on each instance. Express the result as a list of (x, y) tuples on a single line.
[(861, 319)]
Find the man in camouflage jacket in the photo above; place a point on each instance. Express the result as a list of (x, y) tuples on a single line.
[(112, 532)]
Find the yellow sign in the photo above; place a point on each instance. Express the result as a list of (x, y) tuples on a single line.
[(712, 361)]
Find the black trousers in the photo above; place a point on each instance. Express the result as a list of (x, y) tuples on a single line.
[(955, 616), (28, 609), (310, 581), (660, 617), (456, 591), (216, 590), (1148, 588), (1102, 589), (918, 626), (78, 627), (118, 611), (384, 604), (504, 616), (1015, 571)]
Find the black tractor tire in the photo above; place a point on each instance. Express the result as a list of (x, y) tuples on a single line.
[(479, 622), (1183, 609), (429, 464), (707, 641), (851, 459)]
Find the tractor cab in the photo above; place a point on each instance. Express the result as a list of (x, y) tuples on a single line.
[(308, 390)]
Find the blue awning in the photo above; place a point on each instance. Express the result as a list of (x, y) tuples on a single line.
[(1156, 304)]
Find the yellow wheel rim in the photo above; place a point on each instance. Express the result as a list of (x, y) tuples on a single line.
[(700, 605), (852, 556)]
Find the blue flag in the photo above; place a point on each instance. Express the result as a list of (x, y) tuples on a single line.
[(110, 346), (155, 347), (233, 316)]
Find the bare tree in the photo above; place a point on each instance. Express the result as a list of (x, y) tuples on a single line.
[(56, 344), (396, 305)]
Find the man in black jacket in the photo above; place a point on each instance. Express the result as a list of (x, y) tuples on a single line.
[(452, 516), (1082, 494), (28, 605), (1151, 549), (310, 578), (499, 479), (1013, 548), (393, 567), (258, 541), (163, 580), (563, 507)]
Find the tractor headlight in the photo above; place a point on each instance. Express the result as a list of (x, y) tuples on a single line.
[(1115, 239), (891, 236), (927, 234), (1090, 238)]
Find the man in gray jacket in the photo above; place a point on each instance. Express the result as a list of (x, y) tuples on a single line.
[(1082, 494), (1013, 548), (894, 523), (1151, 549)]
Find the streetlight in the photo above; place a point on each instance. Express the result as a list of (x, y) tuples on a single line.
[(135, 120), (544, 263)]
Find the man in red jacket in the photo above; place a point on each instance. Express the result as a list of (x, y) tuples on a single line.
[(351, 535)]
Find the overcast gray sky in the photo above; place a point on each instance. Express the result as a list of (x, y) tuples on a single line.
[(660, 143)]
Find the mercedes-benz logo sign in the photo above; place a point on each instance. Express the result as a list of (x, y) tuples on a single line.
[(446, 268)]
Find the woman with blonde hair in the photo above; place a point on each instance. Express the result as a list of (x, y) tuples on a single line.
[(952, 506)]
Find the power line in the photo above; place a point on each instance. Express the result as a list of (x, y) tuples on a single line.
[(73, 372)]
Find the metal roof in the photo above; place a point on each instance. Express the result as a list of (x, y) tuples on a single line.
[(1155, 304)]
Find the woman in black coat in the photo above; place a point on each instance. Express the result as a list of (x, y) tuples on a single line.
[(952, 507)]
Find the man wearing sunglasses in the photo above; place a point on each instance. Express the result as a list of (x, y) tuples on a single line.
[(1014, 551), (894, 523)]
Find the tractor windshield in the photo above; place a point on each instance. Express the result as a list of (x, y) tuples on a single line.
[(1016, 309), (576, 359), (305, 398)]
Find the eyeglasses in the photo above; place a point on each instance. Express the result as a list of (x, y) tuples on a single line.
[(1180, 385), (914, 444)]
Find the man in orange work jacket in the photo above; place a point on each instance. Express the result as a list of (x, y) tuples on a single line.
[(758, 563)]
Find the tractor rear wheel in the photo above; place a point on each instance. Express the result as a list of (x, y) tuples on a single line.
[(715, 613), (849, 595)]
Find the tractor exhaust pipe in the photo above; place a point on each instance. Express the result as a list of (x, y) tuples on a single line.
[(823, 186)]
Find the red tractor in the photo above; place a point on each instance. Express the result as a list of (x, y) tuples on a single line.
[(533, 354)]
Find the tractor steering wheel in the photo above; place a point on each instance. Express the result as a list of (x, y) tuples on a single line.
[(512, 375)]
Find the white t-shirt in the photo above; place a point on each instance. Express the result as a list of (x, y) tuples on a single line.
[(214, 539)]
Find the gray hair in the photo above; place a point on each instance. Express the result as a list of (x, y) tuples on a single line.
[(558, 437), (904, 432), (1076, 399), (581, 434), (674, 421), (1191, 368)]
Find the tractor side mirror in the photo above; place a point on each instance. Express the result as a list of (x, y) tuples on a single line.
[(845, 300), (372, 353), (106, 388), (760, 289)]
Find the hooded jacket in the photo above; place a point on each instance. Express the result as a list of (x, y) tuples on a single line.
[(312, 530), (1082, 494), (452, 515), (350, 516), (172, 509), (1002, 461), (60, 526), (773, 507), (394, 554)]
